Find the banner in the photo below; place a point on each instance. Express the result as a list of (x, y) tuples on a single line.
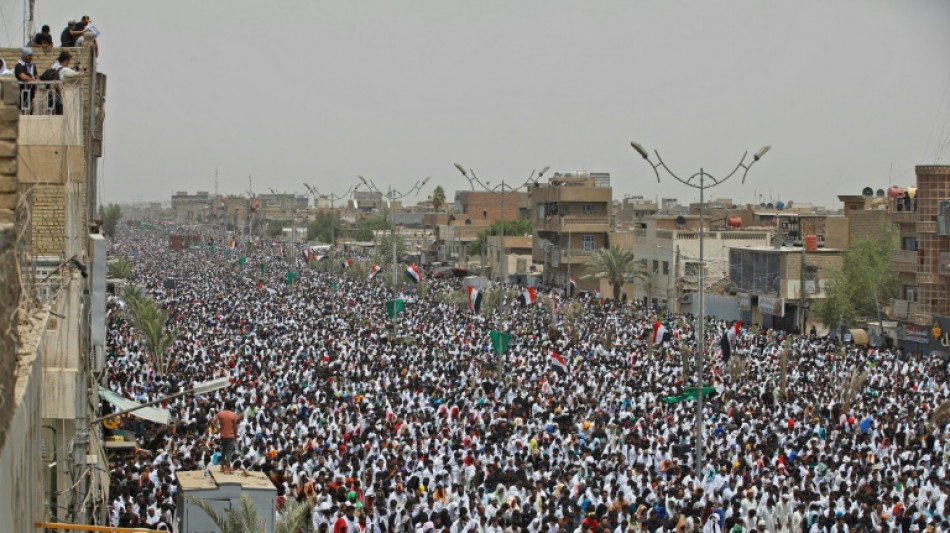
[(291, 276), (688, 394), (769, 305), (394, 307), (500, 341)]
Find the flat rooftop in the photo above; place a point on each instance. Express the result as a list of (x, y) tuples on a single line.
[(196, 480)]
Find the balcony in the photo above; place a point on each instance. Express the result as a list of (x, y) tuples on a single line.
[(904, 309), (576, 256), (944, 268), (904, 217), (575, 224), (926, 278), (926, 227), (904, 261)]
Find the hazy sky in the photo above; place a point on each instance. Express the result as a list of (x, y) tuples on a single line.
[(294, 91)]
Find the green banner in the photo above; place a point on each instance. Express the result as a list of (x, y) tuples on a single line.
[(500, 341), (291, 276), (688, 394), (394, 307), (263, 267), (242, 260), (333, 286)]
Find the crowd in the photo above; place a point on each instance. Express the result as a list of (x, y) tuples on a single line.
[(415, 431)]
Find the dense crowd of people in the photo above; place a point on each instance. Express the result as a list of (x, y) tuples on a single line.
[(404, 425)]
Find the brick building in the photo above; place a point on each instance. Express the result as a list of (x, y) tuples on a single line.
[(56, 152), (570, 216), (923, 260), (487, 206)]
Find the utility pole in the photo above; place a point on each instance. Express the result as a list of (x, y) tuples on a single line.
[(801, 290), (699, 181)]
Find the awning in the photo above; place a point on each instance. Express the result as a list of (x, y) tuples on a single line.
[(153, 414)]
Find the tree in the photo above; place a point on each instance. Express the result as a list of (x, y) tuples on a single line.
[(384, 251), (275, 228), (513, 228), (121, 268), (110, 216), (438, 198), (617, 266), (326, 226), (367, 227), (291, 519), (864, 284), (149, 319)]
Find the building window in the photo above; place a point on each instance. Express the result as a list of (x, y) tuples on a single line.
[(656, 266), (587, 243), (910, 293), (588, 209), (909, 244), (666, 268)]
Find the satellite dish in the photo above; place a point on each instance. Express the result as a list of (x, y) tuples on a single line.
[(780, 205), (880, 193), (789, 204), (867, 191), (680, 221), (468, 222), (769, 205)]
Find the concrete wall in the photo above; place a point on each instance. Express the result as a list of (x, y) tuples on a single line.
[(9, 290), (21, 469)]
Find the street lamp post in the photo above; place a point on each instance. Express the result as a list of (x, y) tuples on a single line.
[(333, 198), (701, 181), (392, 195), (473, 179)]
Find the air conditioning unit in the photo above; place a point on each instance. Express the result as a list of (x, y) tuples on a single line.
[(97, 359)]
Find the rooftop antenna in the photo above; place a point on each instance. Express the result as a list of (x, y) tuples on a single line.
[(216, 183)]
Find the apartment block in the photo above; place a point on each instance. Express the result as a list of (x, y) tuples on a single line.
[(571, 220)]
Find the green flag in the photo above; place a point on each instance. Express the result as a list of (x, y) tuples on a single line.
[(242, 260), (291, 276), (688, 394), (499, 341), (333, 285), (211, 248), (263, 267), (394, 307)]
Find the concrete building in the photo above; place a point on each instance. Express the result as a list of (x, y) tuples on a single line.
[(922, 215), (63, 269), (669, 245), (514, 252), (770, 279), (570, 216), (192, 208), (488, 206), (223, 492)]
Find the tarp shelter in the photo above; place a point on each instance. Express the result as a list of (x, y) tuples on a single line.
[(152, 414)]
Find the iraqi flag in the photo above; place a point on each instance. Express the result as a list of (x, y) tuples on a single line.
[(347, 263), (373, 271), (474, 299), (558, 364), (527, 297), (573, 284), (306, 255), (322, 257), (728, 340), (414, 273), (280, 250), (231, 245), (661, 335)]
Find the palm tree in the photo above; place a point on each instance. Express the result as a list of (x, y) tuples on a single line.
[(121, 268), (246, 520), (438, 198), (617, 266), (149, 319)]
